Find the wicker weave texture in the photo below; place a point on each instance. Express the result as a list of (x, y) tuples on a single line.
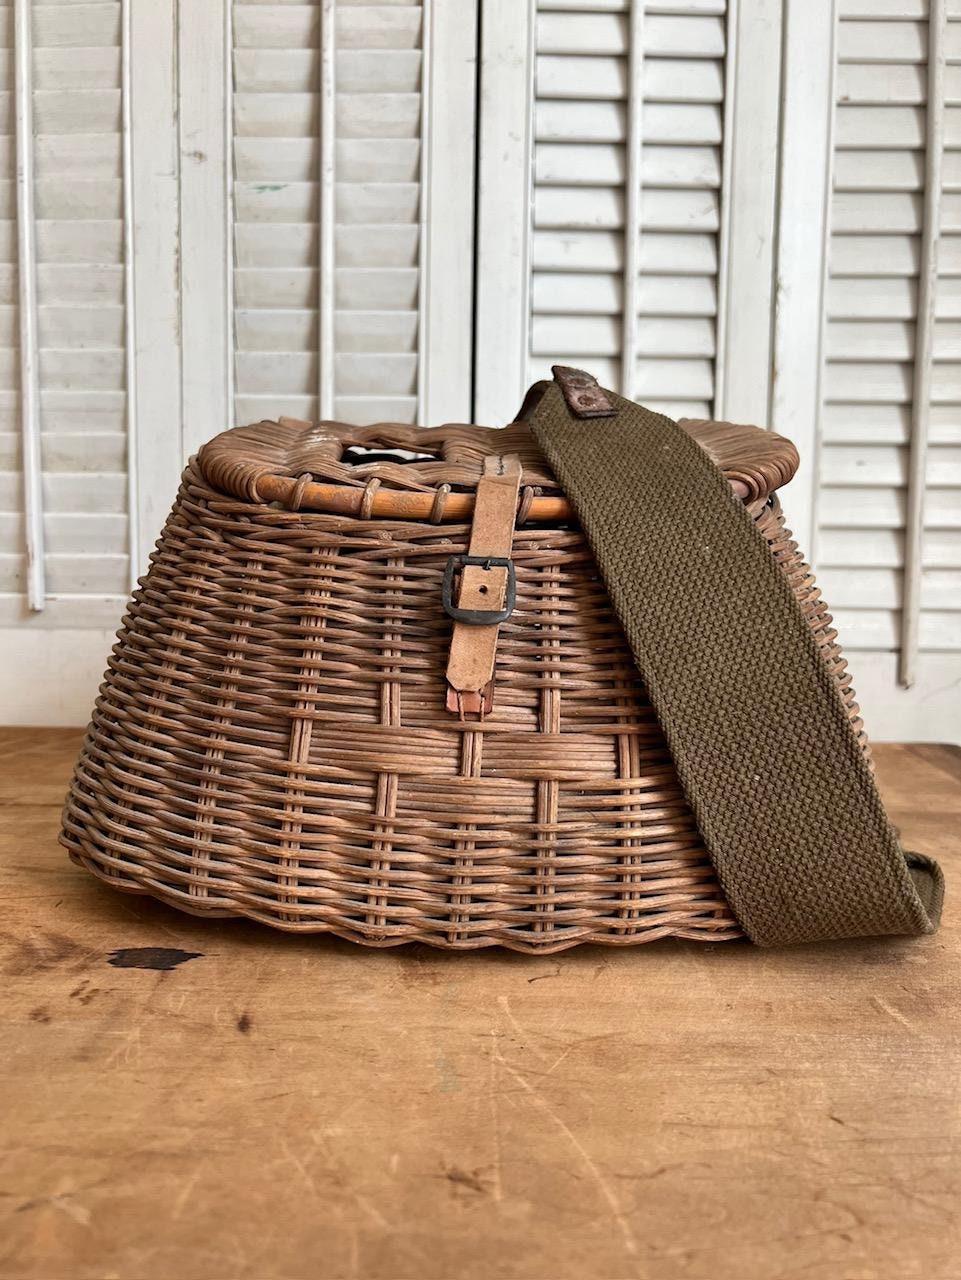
[(271, 741)]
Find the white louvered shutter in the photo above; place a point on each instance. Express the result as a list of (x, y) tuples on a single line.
[(195, 204), (80, 294), (875, 255), (645, 120), (362, 308), (581, 150), (74, 74), (262, 253)]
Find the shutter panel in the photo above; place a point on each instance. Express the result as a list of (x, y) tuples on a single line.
[(875, 255), (291, 281), (78, 202), (367, 296), (582, 131), (276, 208), (78, 208)]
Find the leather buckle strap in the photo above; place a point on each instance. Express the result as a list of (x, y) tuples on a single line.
[(479, 588), (501, 588)]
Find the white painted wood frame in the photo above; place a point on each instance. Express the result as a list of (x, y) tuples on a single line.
[(807, 150), (445, 341), (633, 157), (130, 301), (205, 151), (31, 453), (153, 237), (924, 339), (504, 192), (326, 264), (743, 363)]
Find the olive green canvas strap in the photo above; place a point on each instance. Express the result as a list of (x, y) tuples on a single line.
[(762, 742)]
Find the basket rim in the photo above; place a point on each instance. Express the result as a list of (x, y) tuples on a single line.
[(299, 465)]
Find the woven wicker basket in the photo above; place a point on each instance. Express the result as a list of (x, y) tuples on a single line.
[(272, 741)]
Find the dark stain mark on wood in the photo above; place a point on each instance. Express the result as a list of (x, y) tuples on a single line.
[(244, 1023), (464, 1178), (40, 1014), (162, 958), (45, 951), (84, 992)]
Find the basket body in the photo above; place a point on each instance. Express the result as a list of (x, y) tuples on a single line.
[(272, 741)]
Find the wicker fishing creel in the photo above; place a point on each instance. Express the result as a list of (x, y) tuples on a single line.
[(274, 737)]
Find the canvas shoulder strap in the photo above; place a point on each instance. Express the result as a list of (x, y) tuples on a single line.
[(763, 745)]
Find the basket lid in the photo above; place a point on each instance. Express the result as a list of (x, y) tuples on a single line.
[(393, 471)]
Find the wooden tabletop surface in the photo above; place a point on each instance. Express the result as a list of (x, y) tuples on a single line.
[(271, 1107)]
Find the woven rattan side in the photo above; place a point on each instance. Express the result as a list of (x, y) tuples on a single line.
[(271, 741)]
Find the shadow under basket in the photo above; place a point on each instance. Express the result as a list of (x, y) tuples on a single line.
[(272, 740)]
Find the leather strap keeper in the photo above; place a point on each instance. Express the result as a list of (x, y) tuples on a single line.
[(483, 589), (584, 395)]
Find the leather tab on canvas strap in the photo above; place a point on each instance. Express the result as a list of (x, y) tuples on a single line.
[(584, 395), (481, 586), (760, 737)]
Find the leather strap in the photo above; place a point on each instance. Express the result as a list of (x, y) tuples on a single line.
[(762, 742), (483, 588), (582, 392)]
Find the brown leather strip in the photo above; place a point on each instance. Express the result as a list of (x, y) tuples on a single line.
[(473, 647), (584, 395)]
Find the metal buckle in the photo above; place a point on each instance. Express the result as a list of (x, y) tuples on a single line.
[(479, 617)]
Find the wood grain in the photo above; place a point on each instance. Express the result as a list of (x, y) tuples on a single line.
[(286, 1107)]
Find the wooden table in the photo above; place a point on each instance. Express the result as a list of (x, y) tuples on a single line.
[(279, 1107)]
